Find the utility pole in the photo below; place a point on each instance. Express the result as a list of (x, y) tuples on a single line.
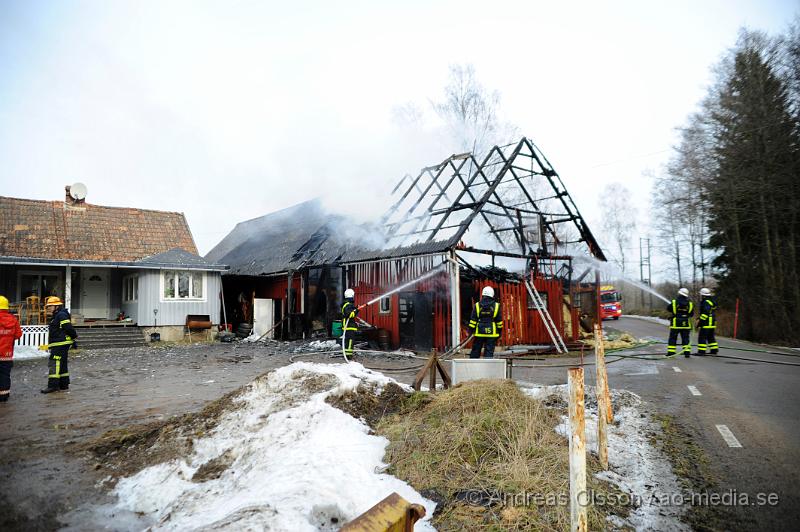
[(644, 266)]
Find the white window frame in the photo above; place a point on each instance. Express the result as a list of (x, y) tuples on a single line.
[(162, 275), (134, 280), (388, 309)]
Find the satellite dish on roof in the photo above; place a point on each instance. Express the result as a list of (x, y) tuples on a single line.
[(78, 191)]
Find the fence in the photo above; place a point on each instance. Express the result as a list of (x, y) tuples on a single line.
[(33, 335)]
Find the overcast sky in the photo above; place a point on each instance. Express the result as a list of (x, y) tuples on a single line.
[(230, 110)]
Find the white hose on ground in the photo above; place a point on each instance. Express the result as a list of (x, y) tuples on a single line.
[(344, 339)]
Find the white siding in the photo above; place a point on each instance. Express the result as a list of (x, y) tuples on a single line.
[(174, 312)]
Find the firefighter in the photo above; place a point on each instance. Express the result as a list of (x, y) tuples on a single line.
[(349, 325), (10, 331), (62, 337), (682, 309), (487, 324), (706, 324)]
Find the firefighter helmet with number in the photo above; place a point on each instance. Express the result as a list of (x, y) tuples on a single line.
[(349, 293), (53, 301), (488, 291)]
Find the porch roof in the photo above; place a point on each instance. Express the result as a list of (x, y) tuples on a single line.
[(173, 259)]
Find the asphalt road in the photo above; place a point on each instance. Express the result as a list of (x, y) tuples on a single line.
[(758, 402)]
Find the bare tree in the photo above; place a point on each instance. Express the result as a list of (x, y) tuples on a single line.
[(619, 220), (470, 112)]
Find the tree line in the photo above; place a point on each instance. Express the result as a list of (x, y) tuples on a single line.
[(728, 204)]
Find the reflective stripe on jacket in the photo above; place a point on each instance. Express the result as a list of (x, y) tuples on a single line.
[(60, 329), (486, 319), (349, 313), (707, 309), (681, 309)]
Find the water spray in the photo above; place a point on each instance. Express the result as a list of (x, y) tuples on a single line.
[(421, 278), (609, 269)]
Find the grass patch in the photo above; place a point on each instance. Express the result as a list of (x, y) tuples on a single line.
[(474, 447)]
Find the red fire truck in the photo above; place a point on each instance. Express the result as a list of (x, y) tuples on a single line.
[(610, 303)]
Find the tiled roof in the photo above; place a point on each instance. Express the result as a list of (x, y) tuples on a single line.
[(54, 230)]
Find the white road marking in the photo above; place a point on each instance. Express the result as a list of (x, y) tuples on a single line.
[(694, 390), (650, 369), (728, 436), (676, 369)]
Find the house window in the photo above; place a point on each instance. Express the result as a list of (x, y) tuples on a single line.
[(386, 305), (183, 285), (130, 288), (532, 304)]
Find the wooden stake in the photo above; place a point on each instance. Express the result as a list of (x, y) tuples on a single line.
[(602, 401), (577, 453), (433, 365)]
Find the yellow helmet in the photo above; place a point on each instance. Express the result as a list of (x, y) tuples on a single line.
[(3, 303), (52, 300)]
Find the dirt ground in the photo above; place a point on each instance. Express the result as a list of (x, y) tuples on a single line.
[(45, 470)]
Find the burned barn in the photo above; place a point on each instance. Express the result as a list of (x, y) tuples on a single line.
[(504, 220)]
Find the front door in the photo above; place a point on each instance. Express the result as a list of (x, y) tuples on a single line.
[(94, 293), (263, 311)]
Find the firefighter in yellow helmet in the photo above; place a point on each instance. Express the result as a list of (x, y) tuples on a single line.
[(487, 324), (61, 337)]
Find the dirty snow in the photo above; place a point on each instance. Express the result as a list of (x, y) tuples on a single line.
[(296, 463), (27, 352), (637, 467), (660, 321), (325, 345)]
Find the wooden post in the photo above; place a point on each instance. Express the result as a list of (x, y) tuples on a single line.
[(605, 391), (577, 453), (433, 365), (432, 375), (602, 404)]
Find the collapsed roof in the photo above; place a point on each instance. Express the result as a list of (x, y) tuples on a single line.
[(513, 196)]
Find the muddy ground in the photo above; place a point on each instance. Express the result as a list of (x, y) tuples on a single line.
[(44, 465)]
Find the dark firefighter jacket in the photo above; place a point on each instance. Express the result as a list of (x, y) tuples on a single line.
[(707, 308), (487, 318), (349, 313), (61, 330), (681, 309)]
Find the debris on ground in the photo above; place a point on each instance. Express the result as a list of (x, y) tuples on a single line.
[(613, 341)]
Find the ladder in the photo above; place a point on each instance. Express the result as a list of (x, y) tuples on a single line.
[(552, 330)]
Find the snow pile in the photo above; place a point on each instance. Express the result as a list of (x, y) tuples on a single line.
[(27, 352), (286, 460), (324, 345), (252, 338), (637, 467)]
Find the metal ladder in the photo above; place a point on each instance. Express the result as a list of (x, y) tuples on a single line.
[(552, 330)]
